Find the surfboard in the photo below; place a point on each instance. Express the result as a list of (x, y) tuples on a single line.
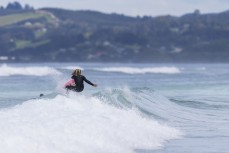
[(70, 83)]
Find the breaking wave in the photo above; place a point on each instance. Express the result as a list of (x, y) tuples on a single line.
[(131, 70), (6, 70), (80, 124), (72, 67)]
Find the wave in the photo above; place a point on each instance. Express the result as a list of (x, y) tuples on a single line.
[(146, 100), (72, 67), (131, 70), (6, 70), (79, 124)]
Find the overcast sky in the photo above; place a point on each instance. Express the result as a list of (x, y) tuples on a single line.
[(133, 7)]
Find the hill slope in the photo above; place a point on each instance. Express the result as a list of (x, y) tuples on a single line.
[(63, 35)]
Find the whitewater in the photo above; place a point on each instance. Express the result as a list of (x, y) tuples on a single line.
[(137, 108)]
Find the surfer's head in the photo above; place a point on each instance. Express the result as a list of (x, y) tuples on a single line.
[(76, 72)]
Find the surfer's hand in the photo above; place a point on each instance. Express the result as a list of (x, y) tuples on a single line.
[(95, 85)]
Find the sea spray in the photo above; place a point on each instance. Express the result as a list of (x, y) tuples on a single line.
[(78, 124)]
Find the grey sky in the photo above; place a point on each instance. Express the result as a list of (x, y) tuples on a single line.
[(134, 7)]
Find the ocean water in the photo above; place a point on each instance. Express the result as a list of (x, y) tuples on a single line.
[(136, 108)]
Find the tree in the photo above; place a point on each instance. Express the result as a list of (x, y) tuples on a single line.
[(197, 12), (28, 7), (14, 6)]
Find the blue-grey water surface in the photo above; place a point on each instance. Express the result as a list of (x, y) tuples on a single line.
[(190, 98)]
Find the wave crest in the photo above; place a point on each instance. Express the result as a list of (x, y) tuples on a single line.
[(6, 70), (72, 67), (131, 70)]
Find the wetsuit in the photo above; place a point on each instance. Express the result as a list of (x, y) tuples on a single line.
[(79, 85)]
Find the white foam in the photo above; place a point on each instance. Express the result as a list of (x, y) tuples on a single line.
[(6, 70), (201, 68), (131, 70), (72, 67), (78, 124)]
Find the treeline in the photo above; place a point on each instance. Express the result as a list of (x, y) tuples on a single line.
[(14, 7)]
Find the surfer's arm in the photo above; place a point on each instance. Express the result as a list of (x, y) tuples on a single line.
[(89, 82)]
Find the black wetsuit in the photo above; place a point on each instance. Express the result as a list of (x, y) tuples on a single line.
[(79, 85)]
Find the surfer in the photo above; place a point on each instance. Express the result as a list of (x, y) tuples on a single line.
[(79, 79)]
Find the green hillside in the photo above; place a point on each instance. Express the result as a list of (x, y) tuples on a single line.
[(15, 18), (55, 35)]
